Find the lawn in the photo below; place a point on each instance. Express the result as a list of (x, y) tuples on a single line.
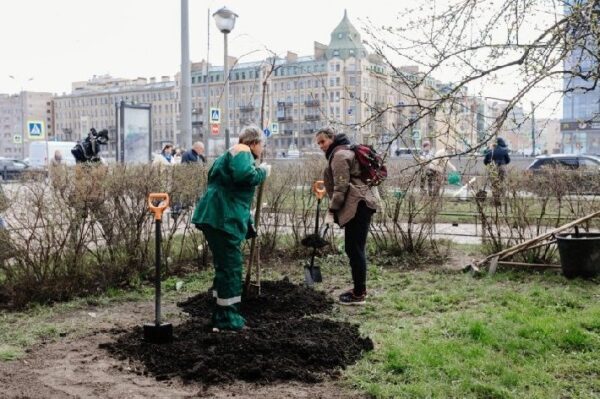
[(440, 334), (437, 333)]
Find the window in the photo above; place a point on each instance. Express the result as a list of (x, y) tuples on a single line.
[(337, 67), (569, 163), (340, 35), (336, 53)]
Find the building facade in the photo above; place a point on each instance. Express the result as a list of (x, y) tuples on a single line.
[(339, 85), (580, 124), (93, 104), (15, 113)]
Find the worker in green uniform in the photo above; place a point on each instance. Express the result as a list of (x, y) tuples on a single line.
[(223, 215)]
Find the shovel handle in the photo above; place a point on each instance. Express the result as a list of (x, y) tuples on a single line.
[(319, 189), (163, 203)]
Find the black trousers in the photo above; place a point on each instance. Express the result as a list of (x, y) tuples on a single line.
[(355, 239)]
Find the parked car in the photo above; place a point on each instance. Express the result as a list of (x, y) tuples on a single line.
[(406, 151), (566, 161), (12, 168), (575, 172)]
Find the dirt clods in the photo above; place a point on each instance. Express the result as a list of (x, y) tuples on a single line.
[(280, 344)]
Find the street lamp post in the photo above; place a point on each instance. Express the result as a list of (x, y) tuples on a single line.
[(225, 19), (185, 82)]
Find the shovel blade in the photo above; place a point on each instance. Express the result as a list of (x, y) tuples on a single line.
[(253, 290), (308, 278), (316, 274), (158, 334)]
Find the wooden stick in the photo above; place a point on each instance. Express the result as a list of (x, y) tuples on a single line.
[(524, 245), (260, 188), (532, 265), (543, 244)]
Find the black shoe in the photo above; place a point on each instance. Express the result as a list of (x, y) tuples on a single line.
[(348, 298)]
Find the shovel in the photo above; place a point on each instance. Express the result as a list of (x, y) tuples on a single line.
[(312, 273), (158, 332)]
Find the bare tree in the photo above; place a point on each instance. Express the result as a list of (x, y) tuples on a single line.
[(531, 45)]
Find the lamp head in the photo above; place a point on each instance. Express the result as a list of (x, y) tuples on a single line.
[(225, 19)]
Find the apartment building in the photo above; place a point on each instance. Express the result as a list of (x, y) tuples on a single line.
[(93, 103), (16, 111)]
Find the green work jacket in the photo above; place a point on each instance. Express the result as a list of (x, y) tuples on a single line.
[(231, 184)]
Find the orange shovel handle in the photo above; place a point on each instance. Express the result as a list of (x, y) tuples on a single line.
[(319, 189), (158, 209)]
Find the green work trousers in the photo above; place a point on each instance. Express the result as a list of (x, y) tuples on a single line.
[(227, 260)]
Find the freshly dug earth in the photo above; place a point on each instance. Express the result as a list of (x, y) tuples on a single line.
[(281, 343)]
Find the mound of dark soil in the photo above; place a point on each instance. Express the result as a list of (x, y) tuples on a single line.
[(281, 344), (278, 300)]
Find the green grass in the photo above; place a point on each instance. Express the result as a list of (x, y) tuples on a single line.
[(449, 335), (437, 334)]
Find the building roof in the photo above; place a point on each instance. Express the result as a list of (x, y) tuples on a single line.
[(345, 41)]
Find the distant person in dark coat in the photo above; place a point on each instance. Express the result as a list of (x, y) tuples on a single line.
[(498, 153), (496, 159), (195, 155)]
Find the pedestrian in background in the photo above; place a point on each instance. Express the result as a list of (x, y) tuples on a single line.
[(223, 215), (496, 159), (438, 167), (57, 159), (177, 154), (195, 154), (427, 176), (165, 157), (351, 205)]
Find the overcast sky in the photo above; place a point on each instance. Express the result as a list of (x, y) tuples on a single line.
[(56, 42)]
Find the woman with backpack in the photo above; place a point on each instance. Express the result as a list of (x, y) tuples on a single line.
[(351, 205)]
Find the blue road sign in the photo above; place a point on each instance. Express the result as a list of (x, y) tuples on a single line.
[(35, 129), (267, 132), (215, 115)]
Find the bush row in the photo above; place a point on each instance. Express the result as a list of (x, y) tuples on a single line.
[(85, 229)]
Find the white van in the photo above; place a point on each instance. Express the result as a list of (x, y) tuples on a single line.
[(39, 150)]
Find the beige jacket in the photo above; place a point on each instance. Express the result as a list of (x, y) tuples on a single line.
[(344, 186)]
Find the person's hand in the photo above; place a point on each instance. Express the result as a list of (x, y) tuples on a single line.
[(329, 218), (266, 167)]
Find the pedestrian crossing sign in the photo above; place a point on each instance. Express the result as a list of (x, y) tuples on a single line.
[(35, 129), (215, 115)]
